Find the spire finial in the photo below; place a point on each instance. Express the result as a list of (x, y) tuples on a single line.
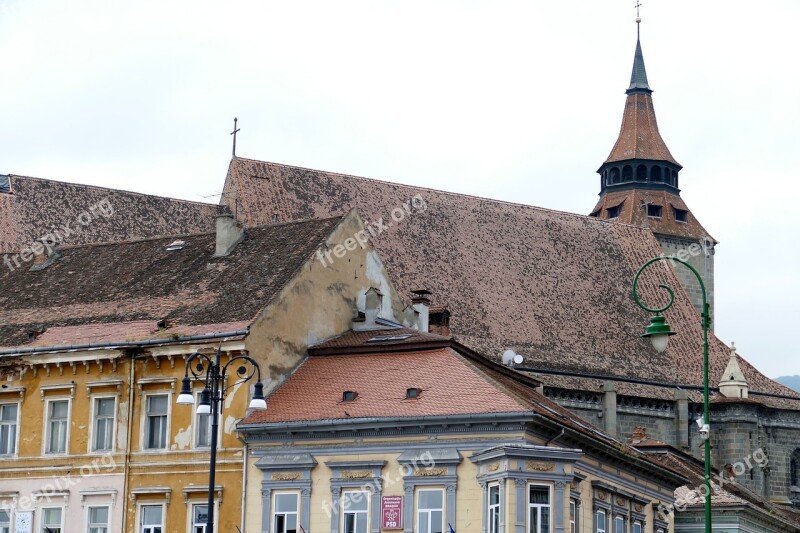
[(234, 132), (638, 18)]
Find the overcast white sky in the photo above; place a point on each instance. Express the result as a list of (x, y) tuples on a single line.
[(518, 101)]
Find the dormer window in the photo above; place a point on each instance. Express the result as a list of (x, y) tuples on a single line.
[(349, 396), (613, 212), (654, 211), (413, 393), (681, 215)]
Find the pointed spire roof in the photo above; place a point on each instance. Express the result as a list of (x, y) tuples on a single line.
[(639, 74), (639, 137)]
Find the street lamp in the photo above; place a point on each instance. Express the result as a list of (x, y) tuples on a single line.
[(659, 332), (203, 367)]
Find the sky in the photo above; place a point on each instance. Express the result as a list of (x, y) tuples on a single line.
[(517, 101)]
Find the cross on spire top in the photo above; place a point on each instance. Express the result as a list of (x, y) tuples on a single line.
[(234, 132)]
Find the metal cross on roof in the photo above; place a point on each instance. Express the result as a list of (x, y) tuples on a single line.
[(235, 130)]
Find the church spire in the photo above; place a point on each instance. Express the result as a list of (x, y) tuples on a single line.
[(639, 74)]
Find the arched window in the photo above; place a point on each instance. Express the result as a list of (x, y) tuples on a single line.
[(674, 178), (627, 173), (614, 175), (794, 467), (641, 173), (655, 173)]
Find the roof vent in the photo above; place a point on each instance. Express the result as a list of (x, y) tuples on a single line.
[(388, 338), (36, 333), (176, 245), (349, 396), (413, 393)]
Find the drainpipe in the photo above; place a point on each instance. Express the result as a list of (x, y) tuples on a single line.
[(244, 490), (129, 437)]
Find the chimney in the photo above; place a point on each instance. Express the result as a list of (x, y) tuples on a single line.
[(372, 309), (421, 302), (229, 233)]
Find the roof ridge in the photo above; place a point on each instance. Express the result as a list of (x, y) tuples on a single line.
[(440, 191), (101, 188)]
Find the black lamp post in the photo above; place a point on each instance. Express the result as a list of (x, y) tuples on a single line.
[(203, 367)]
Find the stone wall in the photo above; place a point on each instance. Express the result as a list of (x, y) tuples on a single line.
[(701, 256)]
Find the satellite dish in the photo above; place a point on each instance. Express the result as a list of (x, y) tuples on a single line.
[(518, 359), (509, 356)]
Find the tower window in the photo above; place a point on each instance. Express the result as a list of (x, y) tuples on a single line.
[(627, 173), (641, 173), (681, 215), (613, 212), (655, 174), (654, 211), (614, 175), (5, 184)]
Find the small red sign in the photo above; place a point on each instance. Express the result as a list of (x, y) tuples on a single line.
[(391, 512)]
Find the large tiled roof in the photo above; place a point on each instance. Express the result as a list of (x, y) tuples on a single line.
[(35, 206), (632, 210), (119, 291), (453, 381), (555, 287)]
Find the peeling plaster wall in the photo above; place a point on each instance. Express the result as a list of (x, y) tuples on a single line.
[(319, 303)]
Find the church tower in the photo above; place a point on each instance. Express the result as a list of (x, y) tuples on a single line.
[(639, 184)]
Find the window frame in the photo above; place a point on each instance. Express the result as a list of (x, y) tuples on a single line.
[(191, 522), (637, 523), (196, 423), (48, 424), (15, 440), (620, 518), (95, 398), (573, 516), (140, 525), (441, 509), (344, 512), (90, 526), (61, 516), (655, 211), (531, 506), (597, 525), (274, 509), (490, 524), (5, 527), (145, 431)]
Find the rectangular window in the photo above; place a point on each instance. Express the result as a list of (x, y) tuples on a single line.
[(156, 424), (430, 511), (284, 517), (5, 521), (654, 211), (619, 524), (612, 212), (573, 517), (637, 527), (356, 509), (199, 518), (51, 520), (600, 518), (681, 215), (8, 429), (103, 438), (539, 509), (494, 509), (150, 519), (5, 184), (97, 520), (57, 424), (202, 437)]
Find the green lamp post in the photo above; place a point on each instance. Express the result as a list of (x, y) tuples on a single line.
[(659, 332)]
